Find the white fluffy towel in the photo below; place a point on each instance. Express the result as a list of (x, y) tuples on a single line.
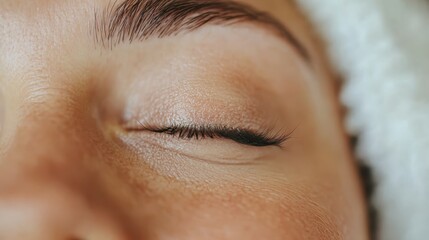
[(381, 47)]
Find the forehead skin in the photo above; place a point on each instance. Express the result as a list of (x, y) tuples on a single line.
[(44, 75), (65, 26)]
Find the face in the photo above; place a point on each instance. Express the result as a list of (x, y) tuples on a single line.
[(170, 120)]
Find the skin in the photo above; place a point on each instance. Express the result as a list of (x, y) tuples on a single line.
[(69, 169)]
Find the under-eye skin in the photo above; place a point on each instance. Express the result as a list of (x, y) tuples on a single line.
[(200, 132)]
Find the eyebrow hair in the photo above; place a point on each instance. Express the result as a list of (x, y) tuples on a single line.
[(134, 20)]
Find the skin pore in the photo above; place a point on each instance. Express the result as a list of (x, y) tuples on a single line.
[(231, 130)]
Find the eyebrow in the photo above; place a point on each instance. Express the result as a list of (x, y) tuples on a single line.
[(138, 20)]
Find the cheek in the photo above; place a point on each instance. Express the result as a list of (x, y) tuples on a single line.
[(237, 213)]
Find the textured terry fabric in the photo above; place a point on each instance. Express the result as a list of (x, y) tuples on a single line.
[(381, 47)]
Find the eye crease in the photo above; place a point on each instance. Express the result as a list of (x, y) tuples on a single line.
[(238, 135)]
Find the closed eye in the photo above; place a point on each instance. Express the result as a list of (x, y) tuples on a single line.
[(238, 135)]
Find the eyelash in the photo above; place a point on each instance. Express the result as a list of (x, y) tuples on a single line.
[(241, 136)]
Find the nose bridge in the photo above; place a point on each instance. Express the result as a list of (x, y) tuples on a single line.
[(58, 130), (54, 181), (50, 180), (44, 146), (43, 63), (47, 118)]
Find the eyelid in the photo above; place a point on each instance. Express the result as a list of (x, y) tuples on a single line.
[(238, 135)]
